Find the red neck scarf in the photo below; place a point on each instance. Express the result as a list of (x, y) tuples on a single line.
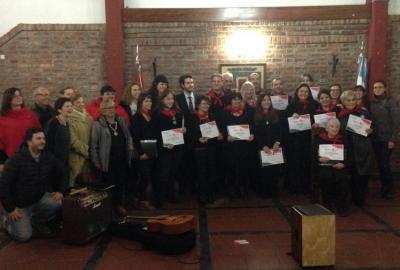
[(305, 103), (345, 112), (146, 115), (330, 108), (169, 113), (335, 140), (201, 116), (235, 112), (217, 100)]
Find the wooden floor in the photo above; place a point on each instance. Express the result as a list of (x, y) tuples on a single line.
[(368, 239)]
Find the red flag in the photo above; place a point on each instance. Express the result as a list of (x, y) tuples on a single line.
[(138, 75)]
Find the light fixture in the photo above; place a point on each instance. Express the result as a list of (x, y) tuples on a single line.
[(246, 44)]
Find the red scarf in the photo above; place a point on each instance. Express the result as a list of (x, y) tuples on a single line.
[(201, 116), (345, 112), (235, 112), (217, 100), (330, 108), (146, 115), (169, 113), (305, 103), (335, 140)]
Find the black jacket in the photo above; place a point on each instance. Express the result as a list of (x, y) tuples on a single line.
[(182, 103), (193, 129), (24, 181), (58, 140), (164, 122), (44, 115), (143, 130), (266, 133)]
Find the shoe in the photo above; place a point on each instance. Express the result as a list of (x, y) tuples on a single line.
[(120, 210), (41, 230)]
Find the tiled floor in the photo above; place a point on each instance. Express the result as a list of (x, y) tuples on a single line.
[(368, 239)]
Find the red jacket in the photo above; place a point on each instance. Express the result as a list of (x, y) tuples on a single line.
[(13, 126), (93, 109)]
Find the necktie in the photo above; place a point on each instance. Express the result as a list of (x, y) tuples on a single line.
[(190, 104)]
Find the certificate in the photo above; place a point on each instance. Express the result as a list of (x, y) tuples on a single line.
[(315, 91), (172, 136), (209, 130), (303, 122), (331, 151), (273, 158), (280, 102), (358, 125), (239, 132), (323, 118)]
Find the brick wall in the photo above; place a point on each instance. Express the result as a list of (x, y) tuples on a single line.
[(294, 48), (55, 56)]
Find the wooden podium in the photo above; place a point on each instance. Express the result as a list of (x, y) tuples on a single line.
[(313, 235)]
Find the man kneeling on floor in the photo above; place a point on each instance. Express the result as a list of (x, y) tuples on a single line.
[(31, 188)]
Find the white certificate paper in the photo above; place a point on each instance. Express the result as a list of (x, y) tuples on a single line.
[(331, 151), (172, 136), (209, 130), (323, 118), (273, 158), (315, 91), (358, 125), (239, 132), (303, 122), (280, 102)]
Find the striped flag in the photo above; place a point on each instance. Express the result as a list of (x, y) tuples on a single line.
[(138, 75), (362, 74)]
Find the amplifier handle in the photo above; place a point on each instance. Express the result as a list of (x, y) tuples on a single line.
[(95, 205)]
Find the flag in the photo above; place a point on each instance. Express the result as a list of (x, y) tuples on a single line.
[(362, 74), (138, 75)]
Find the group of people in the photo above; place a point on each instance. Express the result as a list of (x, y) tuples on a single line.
[(127, 143)]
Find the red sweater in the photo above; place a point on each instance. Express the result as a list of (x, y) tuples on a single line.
[(93, 109), (13, 126)]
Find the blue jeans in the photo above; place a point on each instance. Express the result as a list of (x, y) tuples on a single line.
[(43, 211)]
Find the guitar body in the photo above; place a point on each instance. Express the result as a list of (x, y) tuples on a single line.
[(172, 225), (164, 243)]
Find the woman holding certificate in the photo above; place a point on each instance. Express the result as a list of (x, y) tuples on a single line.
[(267, 131), (145, 133), (324, 111), (110, 150), (238, 129), (300, 113), (355, 126), (204, 131), (332, 170), (386, 113), (169, 121)]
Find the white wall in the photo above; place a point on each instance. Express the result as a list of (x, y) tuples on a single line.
[(13, 12), (394, 7), (236, 3)]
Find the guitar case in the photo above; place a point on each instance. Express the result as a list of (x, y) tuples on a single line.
[(166, 244)]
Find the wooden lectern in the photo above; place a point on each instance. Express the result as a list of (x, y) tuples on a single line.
[(313, 235)]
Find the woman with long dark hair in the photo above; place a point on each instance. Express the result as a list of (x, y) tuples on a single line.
[(168, 116), (15, 120), (386, 114), (268, 136), (299, 143), (158, 87), (143, 131)]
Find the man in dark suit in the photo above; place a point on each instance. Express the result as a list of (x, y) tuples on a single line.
[(186, 101)]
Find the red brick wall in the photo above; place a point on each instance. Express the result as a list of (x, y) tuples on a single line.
[(295, 47), (55, 56)]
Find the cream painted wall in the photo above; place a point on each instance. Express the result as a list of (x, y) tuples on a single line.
[(14, 12)]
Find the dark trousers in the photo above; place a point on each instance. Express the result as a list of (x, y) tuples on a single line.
[(147, 176), (334, 186), (268, 178), (166, 186), (358, 187), (116, 175), (206, 174), (382, 154), (238, 172), (299, 163)]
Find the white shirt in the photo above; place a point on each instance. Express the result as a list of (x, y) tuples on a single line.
[(187, 95)]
